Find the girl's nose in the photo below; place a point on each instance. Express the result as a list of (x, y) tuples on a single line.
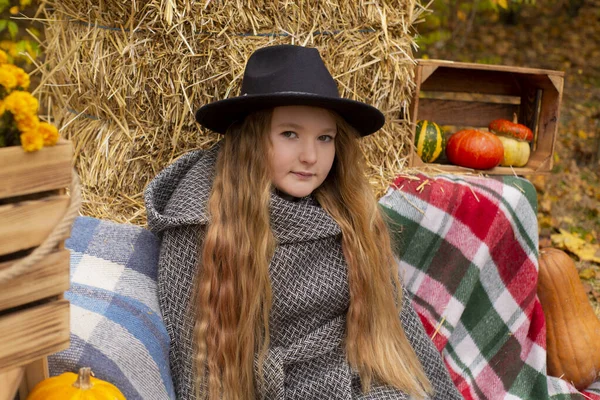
[(308, 153)]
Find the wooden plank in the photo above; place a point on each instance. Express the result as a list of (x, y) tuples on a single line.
[(534, 166), (490, 67), (472, 81), (48, 278), (529, 112), (9, 383), (464, 113), (27, 224), (426, 72), (414, 107), (464, 96), (24, 173), (548, 122), (36, 372), (558, 82), (32, 333)]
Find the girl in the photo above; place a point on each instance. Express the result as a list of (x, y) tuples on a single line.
[(276, 277)]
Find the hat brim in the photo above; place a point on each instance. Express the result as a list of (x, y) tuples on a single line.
[(218, 116)]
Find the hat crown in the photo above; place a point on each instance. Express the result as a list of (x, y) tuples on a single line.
[(288, 68)]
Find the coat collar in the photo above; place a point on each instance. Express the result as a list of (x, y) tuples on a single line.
[(301, 220)]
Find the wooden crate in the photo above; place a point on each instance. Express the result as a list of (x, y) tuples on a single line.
[(34, 316), (463, 95)]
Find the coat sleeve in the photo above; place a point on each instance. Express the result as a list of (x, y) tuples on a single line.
[(428, 354)]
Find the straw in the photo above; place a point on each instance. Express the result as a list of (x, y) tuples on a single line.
[(123, 80)]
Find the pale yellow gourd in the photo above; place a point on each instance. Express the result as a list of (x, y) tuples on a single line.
[(515, 138), (516, 152)]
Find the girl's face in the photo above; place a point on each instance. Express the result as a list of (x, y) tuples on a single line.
[(303, 148)]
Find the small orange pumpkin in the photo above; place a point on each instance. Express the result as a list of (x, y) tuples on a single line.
[(572, 328), (511, 129), (69, 386)]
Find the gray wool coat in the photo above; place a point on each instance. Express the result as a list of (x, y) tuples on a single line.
[(310, 291)]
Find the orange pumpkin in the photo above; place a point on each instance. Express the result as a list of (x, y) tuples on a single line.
[(473, 148), (572, 328), (69, 386)]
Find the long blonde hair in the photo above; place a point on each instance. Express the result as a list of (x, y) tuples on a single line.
[(233, 296)]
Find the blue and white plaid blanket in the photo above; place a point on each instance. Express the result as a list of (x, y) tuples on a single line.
[(116, 325)]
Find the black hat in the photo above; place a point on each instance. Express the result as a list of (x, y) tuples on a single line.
[(288, 75)]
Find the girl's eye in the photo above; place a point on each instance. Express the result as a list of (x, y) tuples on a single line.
[(326, 138), (289, 134)]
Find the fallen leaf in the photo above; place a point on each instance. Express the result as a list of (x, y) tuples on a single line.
[(587, 273), (539, 181), (576, 245), (545, 221), (567, 220), (545, 205)]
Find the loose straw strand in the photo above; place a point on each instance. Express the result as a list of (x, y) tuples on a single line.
[(50, 243)]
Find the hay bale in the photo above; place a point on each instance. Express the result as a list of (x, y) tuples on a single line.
[(123, 80)]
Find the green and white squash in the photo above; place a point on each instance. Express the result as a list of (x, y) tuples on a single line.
[(429, 141)]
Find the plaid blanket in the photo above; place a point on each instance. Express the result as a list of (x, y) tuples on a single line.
[(469, 250), (116, 325)]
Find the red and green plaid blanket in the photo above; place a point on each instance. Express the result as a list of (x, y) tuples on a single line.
[(469, 250)]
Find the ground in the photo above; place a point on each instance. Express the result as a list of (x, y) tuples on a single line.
[(564, 36)]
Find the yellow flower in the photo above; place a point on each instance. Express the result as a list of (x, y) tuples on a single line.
[(20, 75), (1, 108), (3, 57), (27, 122), (7, 78), (10, 47), (14, 10), (21, 103), (49, 133), (31, 141)]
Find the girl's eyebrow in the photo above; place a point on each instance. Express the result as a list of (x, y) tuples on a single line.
[(289, 125), (300, 127)]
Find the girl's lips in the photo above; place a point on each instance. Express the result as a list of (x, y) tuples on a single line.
[(303, 175)]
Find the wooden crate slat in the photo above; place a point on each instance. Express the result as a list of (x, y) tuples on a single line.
[(548, 121), (24, 173), (558, 82), (426, 72), (33, 333), (489, 67), (27, 224), (464, 113), (539, 167), (35, 372), (457, 80), (48, 278), (9, 383)]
